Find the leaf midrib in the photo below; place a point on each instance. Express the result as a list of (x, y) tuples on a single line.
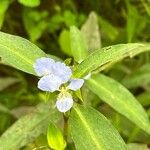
[(89, 130), (130, 53), (17, 54)]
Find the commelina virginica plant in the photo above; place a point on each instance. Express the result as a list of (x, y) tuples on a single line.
[(84, 126)]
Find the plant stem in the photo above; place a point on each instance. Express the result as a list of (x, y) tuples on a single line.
[(65, 116)]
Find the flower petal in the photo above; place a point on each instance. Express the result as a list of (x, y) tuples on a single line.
[(49, 83), (63, 71), (75, 84), (43, 66), (64, 103)]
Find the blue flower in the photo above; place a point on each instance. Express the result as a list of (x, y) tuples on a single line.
[(75, 84), (43, 66), (53, 76)]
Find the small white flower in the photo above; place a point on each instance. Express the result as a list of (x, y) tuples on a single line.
[(75, 84), (64, 102)]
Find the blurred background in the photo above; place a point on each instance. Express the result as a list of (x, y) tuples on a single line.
[(46, 23)]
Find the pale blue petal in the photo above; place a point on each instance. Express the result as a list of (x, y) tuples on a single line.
[(63, 71), (49, 83), (75, 84), (64, 104), (43, 66)]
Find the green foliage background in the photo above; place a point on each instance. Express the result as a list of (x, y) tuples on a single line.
[(47, 23)]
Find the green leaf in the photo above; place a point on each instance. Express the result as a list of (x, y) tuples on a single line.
[(90, 31), (30, 3), (137, 146), (69, 18), (108, 28), (132, 20), (78, 45), (64, 42), (139, 77), (90, 130), (19, 52), (30, 18), (55, 138), (119, 98), (28, 128), (6, 82), (3, 7), (4, 109), (108, 55), (144, 98)]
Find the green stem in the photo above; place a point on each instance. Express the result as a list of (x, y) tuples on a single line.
[(65, 116)]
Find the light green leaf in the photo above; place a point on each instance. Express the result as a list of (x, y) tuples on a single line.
[(119, 98), (3, 7), (78, 45), (108, 55), (91, 33), (64, 42), (30, 3), (90, 130), (28, 128), (55, 138), (19, 52)]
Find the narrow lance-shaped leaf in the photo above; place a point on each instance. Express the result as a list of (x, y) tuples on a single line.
[(64, 42), (90, 130), (78, 45), (132, 20), (4, 4), (91, 33), (139, 77), (28, 128), (119, 98), (19, 52), (108, 55)]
